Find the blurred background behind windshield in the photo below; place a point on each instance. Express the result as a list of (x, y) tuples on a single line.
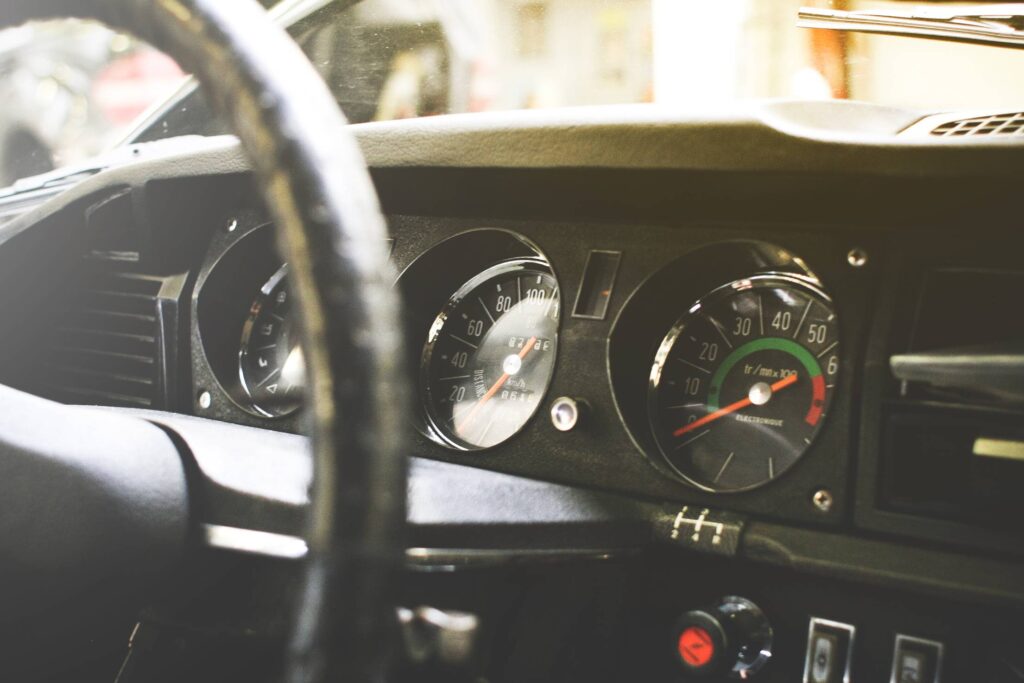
[(73, 89), (69, 89)]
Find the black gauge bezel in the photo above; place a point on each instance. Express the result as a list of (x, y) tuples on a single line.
[(251, 405), (430, 424), (807, 285)]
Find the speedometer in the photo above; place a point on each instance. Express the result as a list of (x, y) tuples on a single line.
[(741, 384), (490, 355)]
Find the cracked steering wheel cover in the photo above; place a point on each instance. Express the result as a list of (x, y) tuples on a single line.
[(331, 231)]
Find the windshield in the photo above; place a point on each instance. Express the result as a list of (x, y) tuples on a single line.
[(391, 59)]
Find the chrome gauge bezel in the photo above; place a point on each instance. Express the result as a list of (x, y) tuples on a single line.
[(430, 422), (808, 284)]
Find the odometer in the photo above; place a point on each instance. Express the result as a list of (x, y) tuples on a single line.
[(490, 355), (741, 384)]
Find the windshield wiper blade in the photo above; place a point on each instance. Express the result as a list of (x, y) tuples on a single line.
[(999, 25)]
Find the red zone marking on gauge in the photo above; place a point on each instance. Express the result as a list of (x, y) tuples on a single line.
[(696, 647), (817, 400)]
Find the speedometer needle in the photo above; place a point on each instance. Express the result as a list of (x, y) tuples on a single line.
[(460, 427), (732, 407)]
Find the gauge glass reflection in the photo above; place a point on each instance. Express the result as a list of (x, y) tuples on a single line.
[(490, 355)]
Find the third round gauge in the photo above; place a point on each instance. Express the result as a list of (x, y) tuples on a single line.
[(742, 383)]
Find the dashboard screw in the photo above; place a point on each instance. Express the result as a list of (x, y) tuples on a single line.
[(857, 257), (205, 400), (823, 500)]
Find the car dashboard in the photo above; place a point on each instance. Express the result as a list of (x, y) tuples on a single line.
[(740, 317)]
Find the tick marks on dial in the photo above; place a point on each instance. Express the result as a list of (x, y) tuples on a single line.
[(484, 306), (460, 339), (807, 310), (693, 365), (692, 439), (714, 323), (830, 347), (724, 465)]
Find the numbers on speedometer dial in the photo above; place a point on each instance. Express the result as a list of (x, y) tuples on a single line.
[(490, 355), (742, 383)]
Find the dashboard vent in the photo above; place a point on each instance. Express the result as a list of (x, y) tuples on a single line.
[(953, 422), (994, 124), (105, 348)]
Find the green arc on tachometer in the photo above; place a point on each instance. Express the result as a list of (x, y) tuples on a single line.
[(805, 357)]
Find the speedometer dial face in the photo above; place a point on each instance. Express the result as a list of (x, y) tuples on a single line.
[(742, 383), (270, 364), (490, 355)]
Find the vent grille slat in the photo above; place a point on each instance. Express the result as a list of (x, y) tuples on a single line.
[(106, 347), (994, 124), (99, 397), (108, 340)]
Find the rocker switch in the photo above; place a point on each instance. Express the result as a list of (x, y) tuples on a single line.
[(829, 652), (916, 660), (824, 665)]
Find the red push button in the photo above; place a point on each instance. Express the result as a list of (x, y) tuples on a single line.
[(696, 646), (721, 639)]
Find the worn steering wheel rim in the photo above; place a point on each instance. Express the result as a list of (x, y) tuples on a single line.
[(331, 231)]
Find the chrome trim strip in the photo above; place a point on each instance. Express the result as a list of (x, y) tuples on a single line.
[(254, 542), (1008, 449), (288, 547), (454, 559)]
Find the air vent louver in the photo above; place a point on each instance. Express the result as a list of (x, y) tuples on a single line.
[(105, 350), (994, 124)]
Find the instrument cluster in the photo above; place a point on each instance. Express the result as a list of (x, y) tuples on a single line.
[(722, 364)]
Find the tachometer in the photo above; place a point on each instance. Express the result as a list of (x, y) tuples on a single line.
[(270, 364), (490, 355), (741, 384)]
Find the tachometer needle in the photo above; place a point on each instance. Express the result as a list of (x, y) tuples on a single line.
[(460, 427), (732, 407)]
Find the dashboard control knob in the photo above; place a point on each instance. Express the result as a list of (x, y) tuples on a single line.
[(567, 413), (731, 637)]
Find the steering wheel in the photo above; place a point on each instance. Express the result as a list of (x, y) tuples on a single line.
[(331, 231)]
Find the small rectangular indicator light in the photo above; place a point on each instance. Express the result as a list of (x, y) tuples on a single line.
[(597, 284), (999, 448)]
